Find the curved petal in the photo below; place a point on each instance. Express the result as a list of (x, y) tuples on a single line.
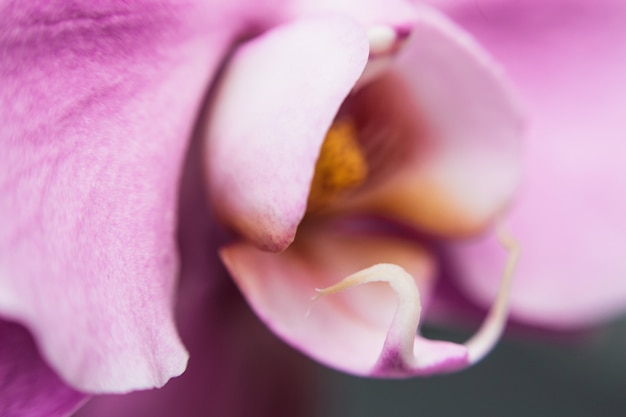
[(450, 109), (365, 331), (232, 355), (96, 106), (28, 386), (278, 97), (569, 60)]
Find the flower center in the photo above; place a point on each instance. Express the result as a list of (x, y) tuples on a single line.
[(341, 165)]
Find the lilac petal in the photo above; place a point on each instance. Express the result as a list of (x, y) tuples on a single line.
[(441, 131), (351, 330), (232, 355), (369, 13), (278, 97), (346, 331), (28, 387), (568, 59), (96, 107), (467, 170)]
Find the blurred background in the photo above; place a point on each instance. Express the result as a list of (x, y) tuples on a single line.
[(522, 377)]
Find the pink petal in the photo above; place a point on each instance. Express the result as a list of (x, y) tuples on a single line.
[(450, 101), (448, 128), (369, 13), (278, 97), (568, 58), (28, 387), (357, 330), (96, 107), (236, 367), (345, 331)]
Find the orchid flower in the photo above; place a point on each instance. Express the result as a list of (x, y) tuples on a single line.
[(426, 134), (97, 106)]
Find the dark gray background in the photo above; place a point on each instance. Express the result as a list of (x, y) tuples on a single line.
[(520, 378)]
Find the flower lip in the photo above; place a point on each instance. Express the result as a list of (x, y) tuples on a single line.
[(357, 331), (405, 354)]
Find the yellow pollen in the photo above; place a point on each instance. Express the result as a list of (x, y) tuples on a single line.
[(340, 166)]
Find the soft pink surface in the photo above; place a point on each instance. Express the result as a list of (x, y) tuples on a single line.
[(369, 13), (472, 123), (237, 368), (568, 59), (442, 133), (278, 97), (96, 106), (345, 330)]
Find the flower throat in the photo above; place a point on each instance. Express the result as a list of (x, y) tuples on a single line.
[(341, 165)]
